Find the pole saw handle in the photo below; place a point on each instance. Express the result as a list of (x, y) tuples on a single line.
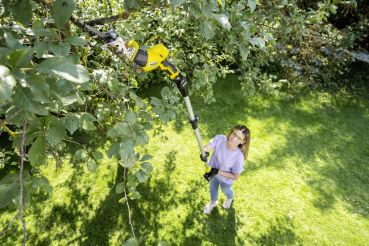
[(170, 69), (176, 76), (204, 158)]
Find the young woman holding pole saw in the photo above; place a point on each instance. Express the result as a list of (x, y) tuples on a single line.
[(227, 163)]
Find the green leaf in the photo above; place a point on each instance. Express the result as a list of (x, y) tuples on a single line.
[(207, 29), (86, 122), (65, 69), (8, 191), (120, 129), (62, 89), (142, 137), (147, 167), (252, 5), (223, 20), (138, 101), (22, 98), (22, 11), (97, 155), (7, 83), (122, 200), (177, 2), (244, 51), (40, 31), (119, 188), (36, 153), (76, 41), (132, 4), (165, 92), (80, 155), (60, 49), (41, 182), (134, 195), (113, 150), (131, 242), (245, 25), (91, 165), (12, 41), (71, 122), (333, 9), (39, 88), (156, 101), (127, 153), (40, 48), (257, 41), (126, 149), (131, 117), (146, 157), (56, 134), (70, 99), (141, 176), (163, 243), (20, 57), (61, 11)]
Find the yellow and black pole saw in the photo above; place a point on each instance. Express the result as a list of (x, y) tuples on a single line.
[(150, 59)]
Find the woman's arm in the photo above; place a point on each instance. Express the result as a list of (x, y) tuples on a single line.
[(233, 176)]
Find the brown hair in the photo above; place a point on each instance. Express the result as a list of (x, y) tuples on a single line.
[(244, 147)]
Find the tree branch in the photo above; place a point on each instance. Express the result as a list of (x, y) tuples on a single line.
[(110, 8), (83, 25), (104, 20), (20, 210), (126, 198)]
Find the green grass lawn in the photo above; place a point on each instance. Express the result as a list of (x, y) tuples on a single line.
[(306, 181)]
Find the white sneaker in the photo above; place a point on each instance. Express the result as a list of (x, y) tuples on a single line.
[(210, 207), (227, 203)]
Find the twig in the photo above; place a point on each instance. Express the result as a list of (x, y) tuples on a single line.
[(104, 20), (8, 225), (110, 9), (57, 159), (20, 210), (126, 198)]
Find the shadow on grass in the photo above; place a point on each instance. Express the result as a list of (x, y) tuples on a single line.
[(195, 228), (326, 136), (281, 232), (64, 222), (329, 139), (97, 230), (333, 131)]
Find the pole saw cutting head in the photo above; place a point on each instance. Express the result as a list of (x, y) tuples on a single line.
[(113, 40)]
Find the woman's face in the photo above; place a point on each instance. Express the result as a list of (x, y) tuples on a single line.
[(236, 138)]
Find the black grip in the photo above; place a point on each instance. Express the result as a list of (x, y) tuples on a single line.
[(181, 83), (204, 158), (168, 65), (211, 174), (109, 36)]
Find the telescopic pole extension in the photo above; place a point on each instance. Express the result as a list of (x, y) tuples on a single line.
[(181, 83)]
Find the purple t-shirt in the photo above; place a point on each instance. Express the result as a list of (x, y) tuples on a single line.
[(225, 159)]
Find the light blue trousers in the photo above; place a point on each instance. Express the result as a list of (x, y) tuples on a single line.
[(214, 186)]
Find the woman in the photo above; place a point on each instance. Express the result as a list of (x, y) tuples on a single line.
[(227, 162)]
